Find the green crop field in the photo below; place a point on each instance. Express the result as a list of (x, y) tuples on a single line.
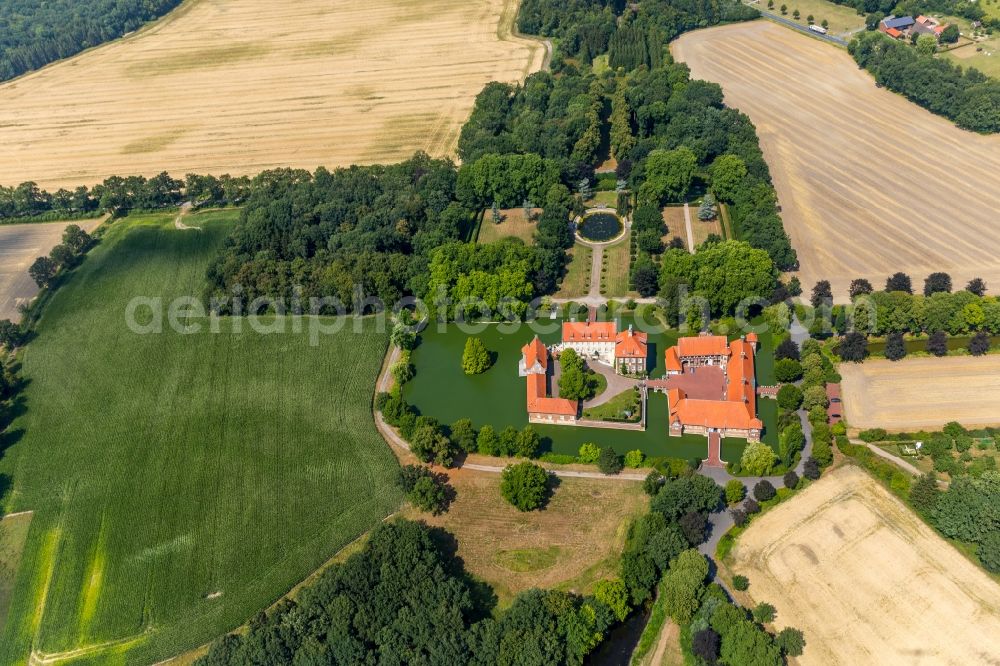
[(180, 483), (497, 397)]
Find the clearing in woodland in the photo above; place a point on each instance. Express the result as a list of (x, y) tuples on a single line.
[(180, 483), (869, 183), (866, 580), (574, 542), (229, 86), (922, 393), (20, 245)]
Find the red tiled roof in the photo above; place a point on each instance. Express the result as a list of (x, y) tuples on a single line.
[(892, 32), (538, 402), (673, 361), (630, 344), (739, 408), (585, 331), (703, 345), (535, 352)]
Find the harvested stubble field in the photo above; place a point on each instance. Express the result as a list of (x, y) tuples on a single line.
[(869, 183), (20, 245), (867, 581), (180, 483), (924, 392), (238, 86), (574, 542)]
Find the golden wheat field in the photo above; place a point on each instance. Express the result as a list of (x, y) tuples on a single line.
[(20, 245), (238, 86), (922, 393), (868, 182), (867, 581)]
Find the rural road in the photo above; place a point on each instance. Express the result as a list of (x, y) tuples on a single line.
[(882, 453), (777, 18)]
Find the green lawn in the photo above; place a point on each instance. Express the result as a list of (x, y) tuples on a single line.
[(497, 397), (180, 483), (842, 19)]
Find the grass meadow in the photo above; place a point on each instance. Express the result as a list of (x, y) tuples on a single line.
[(180, 483)]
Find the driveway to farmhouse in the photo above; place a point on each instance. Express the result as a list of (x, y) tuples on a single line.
[(616, 383)]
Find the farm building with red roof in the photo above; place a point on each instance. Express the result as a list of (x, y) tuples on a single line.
[(534, 366)]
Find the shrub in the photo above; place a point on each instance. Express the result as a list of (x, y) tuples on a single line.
[(751, 506), (741, 583), (790, 641), (764, 491), (475, 358), (787, 349), (739, 517), (787, 370), (608, 461), (614, 595), (811, 469), (735, 491), (589, 453), (525, 485), (705, 645), (758, 459), (557, 458), (791, 479), (853, 347), (873, 435), (789, 397), (895, 348), (653, 482), (979, 344), (634, 459), (814, 396), (764, 613)]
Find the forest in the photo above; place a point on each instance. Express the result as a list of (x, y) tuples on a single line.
[(34, 33), (966, 96)]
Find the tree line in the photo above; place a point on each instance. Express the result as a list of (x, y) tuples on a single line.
[(120, 195), (34, 33), (966, 96)]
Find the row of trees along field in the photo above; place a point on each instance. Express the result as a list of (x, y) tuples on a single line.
[(28, 202), (966, 96), (34, 33), (896, 309)]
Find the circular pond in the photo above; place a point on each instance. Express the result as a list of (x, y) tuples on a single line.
[(600, 227)]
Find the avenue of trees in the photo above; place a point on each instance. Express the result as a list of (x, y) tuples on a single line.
[(34, 33), (935, 310), (966, 96)]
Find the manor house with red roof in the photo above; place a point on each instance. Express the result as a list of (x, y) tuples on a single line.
[(711, 387), (602, 341)]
